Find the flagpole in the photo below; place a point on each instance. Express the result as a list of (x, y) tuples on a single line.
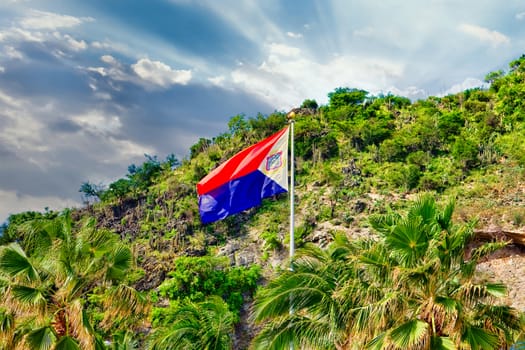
[(291, 116), (291, 121)]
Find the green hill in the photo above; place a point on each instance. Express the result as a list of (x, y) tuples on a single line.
[(356, 157)]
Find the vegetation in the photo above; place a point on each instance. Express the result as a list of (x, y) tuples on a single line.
[(413, 288), (135, 268), (63, 288)]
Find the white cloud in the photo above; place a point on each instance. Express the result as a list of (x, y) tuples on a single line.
[(98, 122), (294, 35), (284, 50), (412, 92), (75, 45), (21, 131), (128, 149), (13, 53), (218, 80), (99, 70), (468, 83), (108, 59), (19, 34), (116, 70), (12, 202), (520, 16), (2, 69), (50, 21), (159, 73), (9, 100), (286, 81), (493, 37)]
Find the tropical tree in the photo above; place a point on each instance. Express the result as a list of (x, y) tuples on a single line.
[(47, 277), (207, 325), (304, 307), (414, 287), (430, 294)]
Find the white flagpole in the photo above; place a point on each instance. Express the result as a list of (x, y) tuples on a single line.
[(292, 184), (291, 120)]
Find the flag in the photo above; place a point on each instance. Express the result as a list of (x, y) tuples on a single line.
[(241, 182)]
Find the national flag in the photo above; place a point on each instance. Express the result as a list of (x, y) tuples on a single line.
[(242, 181)]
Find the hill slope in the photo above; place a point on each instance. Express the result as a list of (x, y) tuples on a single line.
[(358, 155)]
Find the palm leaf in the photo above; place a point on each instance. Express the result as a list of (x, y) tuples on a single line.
[(408, 241), (478, 338), (124, 341), (383, 223), (123, 302), (442, 343), (7, 321), (41, 338), (14, 262), (29, 295), (100, 241), (302, 290), (487, 249), (410, 334), (425, 209), (498, 290), (300, 331), (445, 217), (67, 343), (99, 344), (378, 343), (120, 262)]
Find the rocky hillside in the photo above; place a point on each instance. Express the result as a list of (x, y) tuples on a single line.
[(356, 156)]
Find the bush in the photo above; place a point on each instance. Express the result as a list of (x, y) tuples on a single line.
[(195, 278)]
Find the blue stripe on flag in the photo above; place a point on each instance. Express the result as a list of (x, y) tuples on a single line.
[(237, 195)]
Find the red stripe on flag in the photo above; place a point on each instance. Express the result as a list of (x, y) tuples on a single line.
[(241, 164)]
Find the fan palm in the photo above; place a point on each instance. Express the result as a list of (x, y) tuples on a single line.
[(305, 306), (413, 288), (207, 325), (441, 302), (46, 283)]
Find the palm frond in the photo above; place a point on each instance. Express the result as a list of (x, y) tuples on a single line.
[(383, 223), (120, 262), (291, 290), (424, 208), (479, 338), (123, 302), (41, 338), (442, 343), (29, 296), (7, 321), (77, 324), (408, 241), (14, 262), (300, 331), (444, 218), (67, 343), (410, 335), (486, 249)]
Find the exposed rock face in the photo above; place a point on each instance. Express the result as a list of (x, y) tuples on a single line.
[(508, 266)]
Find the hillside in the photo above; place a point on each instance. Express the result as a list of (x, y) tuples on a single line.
[(357, 156)]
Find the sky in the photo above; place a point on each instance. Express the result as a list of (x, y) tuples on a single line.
[(89, 87)]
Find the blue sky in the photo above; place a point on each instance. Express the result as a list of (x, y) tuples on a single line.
[(88, 87)]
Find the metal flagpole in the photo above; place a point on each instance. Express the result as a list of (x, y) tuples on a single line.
[(292, 184), (291, 120)]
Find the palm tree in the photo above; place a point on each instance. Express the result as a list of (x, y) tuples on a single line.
[(413, 288), (432, 296), (47, 277), (207, 325), (305, 307)]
